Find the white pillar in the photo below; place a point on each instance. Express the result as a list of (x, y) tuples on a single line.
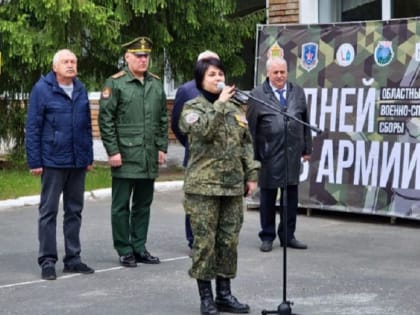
[(308, 11), (386, 9)]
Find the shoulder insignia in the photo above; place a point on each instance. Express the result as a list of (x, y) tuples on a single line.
[(154, 75), (118, 74), (241, 120), (191, 118), (106, 93)]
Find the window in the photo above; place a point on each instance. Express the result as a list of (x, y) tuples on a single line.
[(349, 10), (405, 8), (362, 10)]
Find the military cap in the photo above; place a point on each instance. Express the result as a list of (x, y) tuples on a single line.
[(140, 46)]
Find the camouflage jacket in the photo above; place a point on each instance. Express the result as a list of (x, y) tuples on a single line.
[(221, 155)]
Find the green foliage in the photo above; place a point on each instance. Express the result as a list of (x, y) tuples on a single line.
[(95, 29), (183, 29), (18, 182), (13, 113), (32, 31)]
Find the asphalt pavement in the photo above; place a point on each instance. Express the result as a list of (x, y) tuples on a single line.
[(355, 264)]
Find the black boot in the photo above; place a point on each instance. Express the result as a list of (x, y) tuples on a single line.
[(225, 301), (206, 295)]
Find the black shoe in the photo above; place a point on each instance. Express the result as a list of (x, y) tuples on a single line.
[(294, 243), (266, 246), (128, 261), (48, 273), (146, 258), (78, 268)]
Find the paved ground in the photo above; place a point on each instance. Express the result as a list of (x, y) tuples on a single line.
[(354, 265)]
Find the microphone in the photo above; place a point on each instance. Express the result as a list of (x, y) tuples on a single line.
[(220, 86), (239, 96), (242, 98)]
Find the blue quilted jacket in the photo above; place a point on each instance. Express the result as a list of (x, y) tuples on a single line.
[(58, 128)]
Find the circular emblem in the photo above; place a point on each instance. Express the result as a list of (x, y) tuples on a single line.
[(191, 118), (383, 53), (345, 55)]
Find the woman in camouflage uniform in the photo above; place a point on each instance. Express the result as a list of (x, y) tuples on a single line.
[(220, 171)]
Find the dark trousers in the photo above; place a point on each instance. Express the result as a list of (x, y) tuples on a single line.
[(268, 213), (188, 231), (130, 223), (70, 182)]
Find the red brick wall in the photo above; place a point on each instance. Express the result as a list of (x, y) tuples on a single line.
[(283, 11), (169, 106), (94, 113)]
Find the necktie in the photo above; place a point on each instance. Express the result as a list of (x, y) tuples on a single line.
[(283, 102)]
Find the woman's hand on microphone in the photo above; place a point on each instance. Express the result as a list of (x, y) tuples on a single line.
[(227, 93)]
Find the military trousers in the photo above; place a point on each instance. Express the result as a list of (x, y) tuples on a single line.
[(130, 213), (216, 222)]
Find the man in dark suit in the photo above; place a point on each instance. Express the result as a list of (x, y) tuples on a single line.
[(186, 92), (267, 127)]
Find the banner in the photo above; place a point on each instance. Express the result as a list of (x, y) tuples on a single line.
[(362, 86)]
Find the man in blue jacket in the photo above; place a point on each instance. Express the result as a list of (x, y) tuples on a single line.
[(59, 149), (186, 92)]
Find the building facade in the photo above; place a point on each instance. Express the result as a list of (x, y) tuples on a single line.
[(331, 11)]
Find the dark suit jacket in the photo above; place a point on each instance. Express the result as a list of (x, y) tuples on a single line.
[(185, 92), (267, 127)]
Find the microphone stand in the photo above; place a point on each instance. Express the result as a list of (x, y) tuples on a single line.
[(284, 308)]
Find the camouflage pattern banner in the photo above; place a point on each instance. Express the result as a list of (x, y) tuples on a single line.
[(362, 85)]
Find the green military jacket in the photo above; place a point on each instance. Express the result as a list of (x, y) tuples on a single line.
[(133, 121), (221, 153)]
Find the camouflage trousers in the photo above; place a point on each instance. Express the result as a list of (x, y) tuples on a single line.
[(215, 222)]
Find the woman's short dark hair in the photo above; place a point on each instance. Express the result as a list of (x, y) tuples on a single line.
[(201, 67)]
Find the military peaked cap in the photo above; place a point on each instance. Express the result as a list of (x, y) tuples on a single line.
[(140, 46)]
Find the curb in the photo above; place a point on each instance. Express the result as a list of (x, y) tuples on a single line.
[(89, 195)]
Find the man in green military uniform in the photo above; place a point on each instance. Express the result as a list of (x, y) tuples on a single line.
[(133, 123)]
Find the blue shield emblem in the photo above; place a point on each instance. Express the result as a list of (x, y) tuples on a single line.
[(309, 58)]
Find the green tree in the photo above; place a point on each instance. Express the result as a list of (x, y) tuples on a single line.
[(181, 29), (33, 31), (95, 29)]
